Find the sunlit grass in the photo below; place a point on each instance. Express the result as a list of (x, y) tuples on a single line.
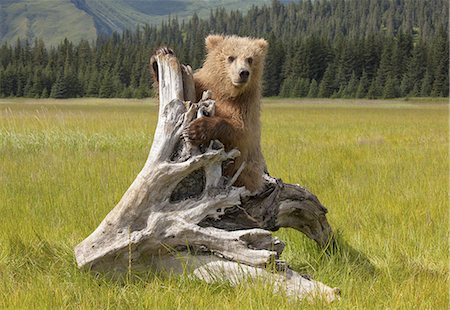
[(381, 168)]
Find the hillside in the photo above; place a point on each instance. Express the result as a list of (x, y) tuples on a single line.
[(54, 20)]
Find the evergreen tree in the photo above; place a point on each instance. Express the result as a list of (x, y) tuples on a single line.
[(9, 81), (273, 68), (20, 81), (386, 64), (327, 86), (2, 84), (93, 84), (346, 62), (144, 89), (440, 61), (371, 55), (402, 53), (37, 83), (313, 89), (425, 88), (412, 79), (44, 93), (126, 93), (375, 90), (287, 87), (363, 86), (300, 88), (59, 88), (391, 88), (28, 90), (107, 86), (351, 88)]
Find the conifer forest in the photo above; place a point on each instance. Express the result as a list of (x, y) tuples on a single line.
[(324, 48)]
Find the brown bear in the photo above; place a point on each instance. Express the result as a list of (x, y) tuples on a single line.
[(232, 71)]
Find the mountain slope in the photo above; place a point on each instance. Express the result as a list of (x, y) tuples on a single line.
[(53, 20), (117, 15)]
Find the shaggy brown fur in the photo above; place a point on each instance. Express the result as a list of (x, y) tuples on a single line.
[(232, 71)]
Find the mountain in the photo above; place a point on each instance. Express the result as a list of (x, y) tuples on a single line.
[(54, 20), (51, 20)]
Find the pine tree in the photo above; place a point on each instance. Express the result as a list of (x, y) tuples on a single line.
[(351, 88), (426, 87), (313, 89), (375, 90), (44, 93), (386, 64), (59, 88), (273, 68), (346, 62), (327, 85), (391, 88), (144, 89), (300, 88), (28, 89), (371, 55), (412, 78), (363, 86), (296, 89), (73, 87), (287, 87), (402, 53), (440, 60), (117, 84), (106, 86), (37, 88), (2, 84), (20, 85), (339, 93), (93, 85), (126, 93)]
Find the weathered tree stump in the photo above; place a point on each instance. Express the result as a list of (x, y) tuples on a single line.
[(180, 213)]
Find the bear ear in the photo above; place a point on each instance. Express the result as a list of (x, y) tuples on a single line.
[(262, 44), (213, 40)]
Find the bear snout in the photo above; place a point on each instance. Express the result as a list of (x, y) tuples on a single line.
[(243, 75)]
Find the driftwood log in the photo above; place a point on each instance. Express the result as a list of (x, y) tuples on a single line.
[(181, 214)]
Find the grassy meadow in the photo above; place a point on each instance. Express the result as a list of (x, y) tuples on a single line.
[(380, 167)]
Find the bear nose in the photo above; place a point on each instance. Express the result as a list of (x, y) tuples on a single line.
[(244, 74)]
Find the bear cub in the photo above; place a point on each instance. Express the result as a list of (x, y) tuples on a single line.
[(232, 71)]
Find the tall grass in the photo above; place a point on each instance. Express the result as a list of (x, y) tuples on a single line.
[(381, 169)]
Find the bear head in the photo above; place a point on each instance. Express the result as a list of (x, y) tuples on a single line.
[(235, 63)]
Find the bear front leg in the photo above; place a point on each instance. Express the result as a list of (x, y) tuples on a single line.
[(205, 129)]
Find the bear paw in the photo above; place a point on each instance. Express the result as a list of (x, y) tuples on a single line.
[(154, 64), (199, 131)]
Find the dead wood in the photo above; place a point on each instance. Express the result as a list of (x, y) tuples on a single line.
[(180, 209)]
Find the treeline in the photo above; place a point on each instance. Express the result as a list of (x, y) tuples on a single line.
[(323, 48)]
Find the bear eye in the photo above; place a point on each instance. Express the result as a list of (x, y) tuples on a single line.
[(250, 60), (231, 59)]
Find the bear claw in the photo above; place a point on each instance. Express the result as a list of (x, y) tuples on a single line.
[(197, 131), (154, 64)]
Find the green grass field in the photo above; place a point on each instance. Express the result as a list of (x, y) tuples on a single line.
[(380, 167)]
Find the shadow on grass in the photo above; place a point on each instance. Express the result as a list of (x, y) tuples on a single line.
[(338, 255), (341, 251)]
